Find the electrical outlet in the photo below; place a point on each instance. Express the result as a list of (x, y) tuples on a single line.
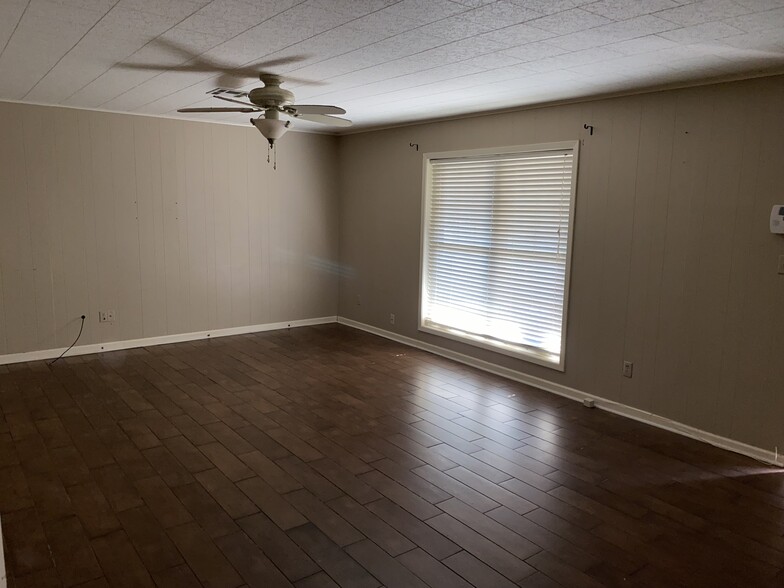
[(106, 316), (391, 319), (628, 368)]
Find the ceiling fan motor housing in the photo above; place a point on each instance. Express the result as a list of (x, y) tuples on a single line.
[(271, 95)]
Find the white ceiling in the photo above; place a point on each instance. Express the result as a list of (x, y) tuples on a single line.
[(384, 61)]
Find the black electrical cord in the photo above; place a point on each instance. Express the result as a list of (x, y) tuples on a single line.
[(72, 344)]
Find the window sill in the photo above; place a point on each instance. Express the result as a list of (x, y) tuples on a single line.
[(521, 352)]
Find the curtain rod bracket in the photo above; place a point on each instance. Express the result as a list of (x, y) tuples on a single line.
[(588, 128), (414, 145)]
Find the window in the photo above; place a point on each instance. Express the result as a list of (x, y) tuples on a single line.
[(496, 248)]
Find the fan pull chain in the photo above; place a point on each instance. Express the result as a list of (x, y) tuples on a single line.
[(275, 157), (268, 152)]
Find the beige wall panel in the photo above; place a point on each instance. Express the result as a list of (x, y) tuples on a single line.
[(585, 301), (153, 218), (321, 244), (646, 250), (176, 283), (654, 164), (686, 195), (280, 207), (673, 265), (708, 300), (237, 203), (149, 196), (183, 213), (616, 247), (761, 322), (90, 277), (16, 254), (222, 176), (212, 198), (127, 270), (258, 236), (103, 227), (745, 222), (69, 208), (41, 209), (195, 224)]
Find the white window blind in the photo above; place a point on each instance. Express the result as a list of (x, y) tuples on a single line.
[(496, 250)]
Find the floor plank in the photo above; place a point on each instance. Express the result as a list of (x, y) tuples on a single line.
[(325, 456)]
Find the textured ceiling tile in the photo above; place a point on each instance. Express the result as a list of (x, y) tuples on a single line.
[(98, 5), (176, 46), (383, 88), (464, 49), (534, 51), (550, 6), (569, 60), (763, 21), (404, 44), (337, 41), (454, 28), (625, 9), (177, 9), (424, 11), (760, 5), (351, 8), (122, 22), (383, 24), (34, 48), (46, 10), (247, 12), (501, 14), (490, 61), (159, 86), (121, 33), (10, 14), (337, 66), (221, 27), (444, 72), (474, 3), (108, 86), (569, 21), (703, 11), (769, 42), (701, 32), (612, 33), (644, 44), (273, 35), (516, 35), (73, 72)]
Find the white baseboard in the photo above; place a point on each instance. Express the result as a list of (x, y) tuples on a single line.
[(770, 457), (161, 340)]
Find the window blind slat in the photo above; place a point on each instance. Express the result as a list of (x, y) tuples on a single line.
[(496, 255)]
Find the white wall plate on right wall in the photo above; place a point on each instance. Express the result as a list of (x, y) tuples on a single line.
[(777, 219)]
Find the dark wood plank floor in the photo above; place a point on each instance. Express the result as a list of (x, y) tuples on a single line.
[(324, 456)]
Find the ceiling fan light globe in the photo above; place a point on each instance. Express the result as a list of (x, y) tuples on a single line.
[(272, 128)]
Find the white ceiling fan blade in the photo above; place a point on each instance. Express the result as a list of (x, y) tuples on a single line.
[(218, 110), (317, 109), (325, 119)]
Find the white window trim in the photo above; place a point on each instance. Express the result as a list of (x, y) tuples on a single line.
[(526, 354)]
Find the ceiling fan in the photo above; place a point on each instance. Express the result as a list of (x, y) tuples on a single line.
[(272, 101)]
